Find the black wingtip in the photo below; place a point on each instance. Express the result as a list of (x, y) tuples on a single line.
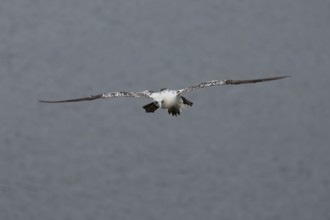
[(282, 77), (275, 78), (43, 101)]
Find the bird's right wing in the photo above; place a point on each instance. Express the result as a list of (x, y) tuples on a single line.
[(144, 94)]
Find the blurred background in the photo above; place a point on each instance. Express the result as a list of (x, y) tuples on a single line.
[(258, 151)]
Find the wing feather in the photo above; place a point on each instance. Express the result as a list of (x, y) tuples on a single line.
[(227, 82), (144, 94)]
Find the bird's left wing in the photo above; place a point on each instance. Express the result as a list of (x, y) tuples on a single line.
[(226, 82), (144, 94)]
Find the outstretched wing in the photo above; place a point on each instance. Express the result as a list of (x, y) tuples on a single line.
[(226, 82), (144, 94)]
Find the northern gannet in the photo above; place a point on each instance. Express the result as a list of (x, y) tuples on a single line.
[(172, 100)]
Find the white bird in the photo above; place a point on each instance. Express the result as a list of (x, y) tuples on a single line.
[(172, 100)]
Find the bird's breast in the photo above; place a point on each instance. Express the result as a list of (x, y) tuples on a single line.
[(166, 98)]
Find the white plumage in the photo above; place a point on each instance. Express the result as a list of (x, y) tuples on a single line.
[(172, 100)]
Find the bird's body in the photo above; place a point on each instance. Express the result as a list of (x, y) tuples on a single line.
[(172, 100), (166, 98)]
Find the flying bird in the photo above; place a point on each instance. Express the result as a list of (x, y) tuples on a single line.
[(172, 100)]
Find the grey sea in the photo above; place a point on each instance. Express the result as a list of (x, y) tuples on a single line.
[(256, 151)]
